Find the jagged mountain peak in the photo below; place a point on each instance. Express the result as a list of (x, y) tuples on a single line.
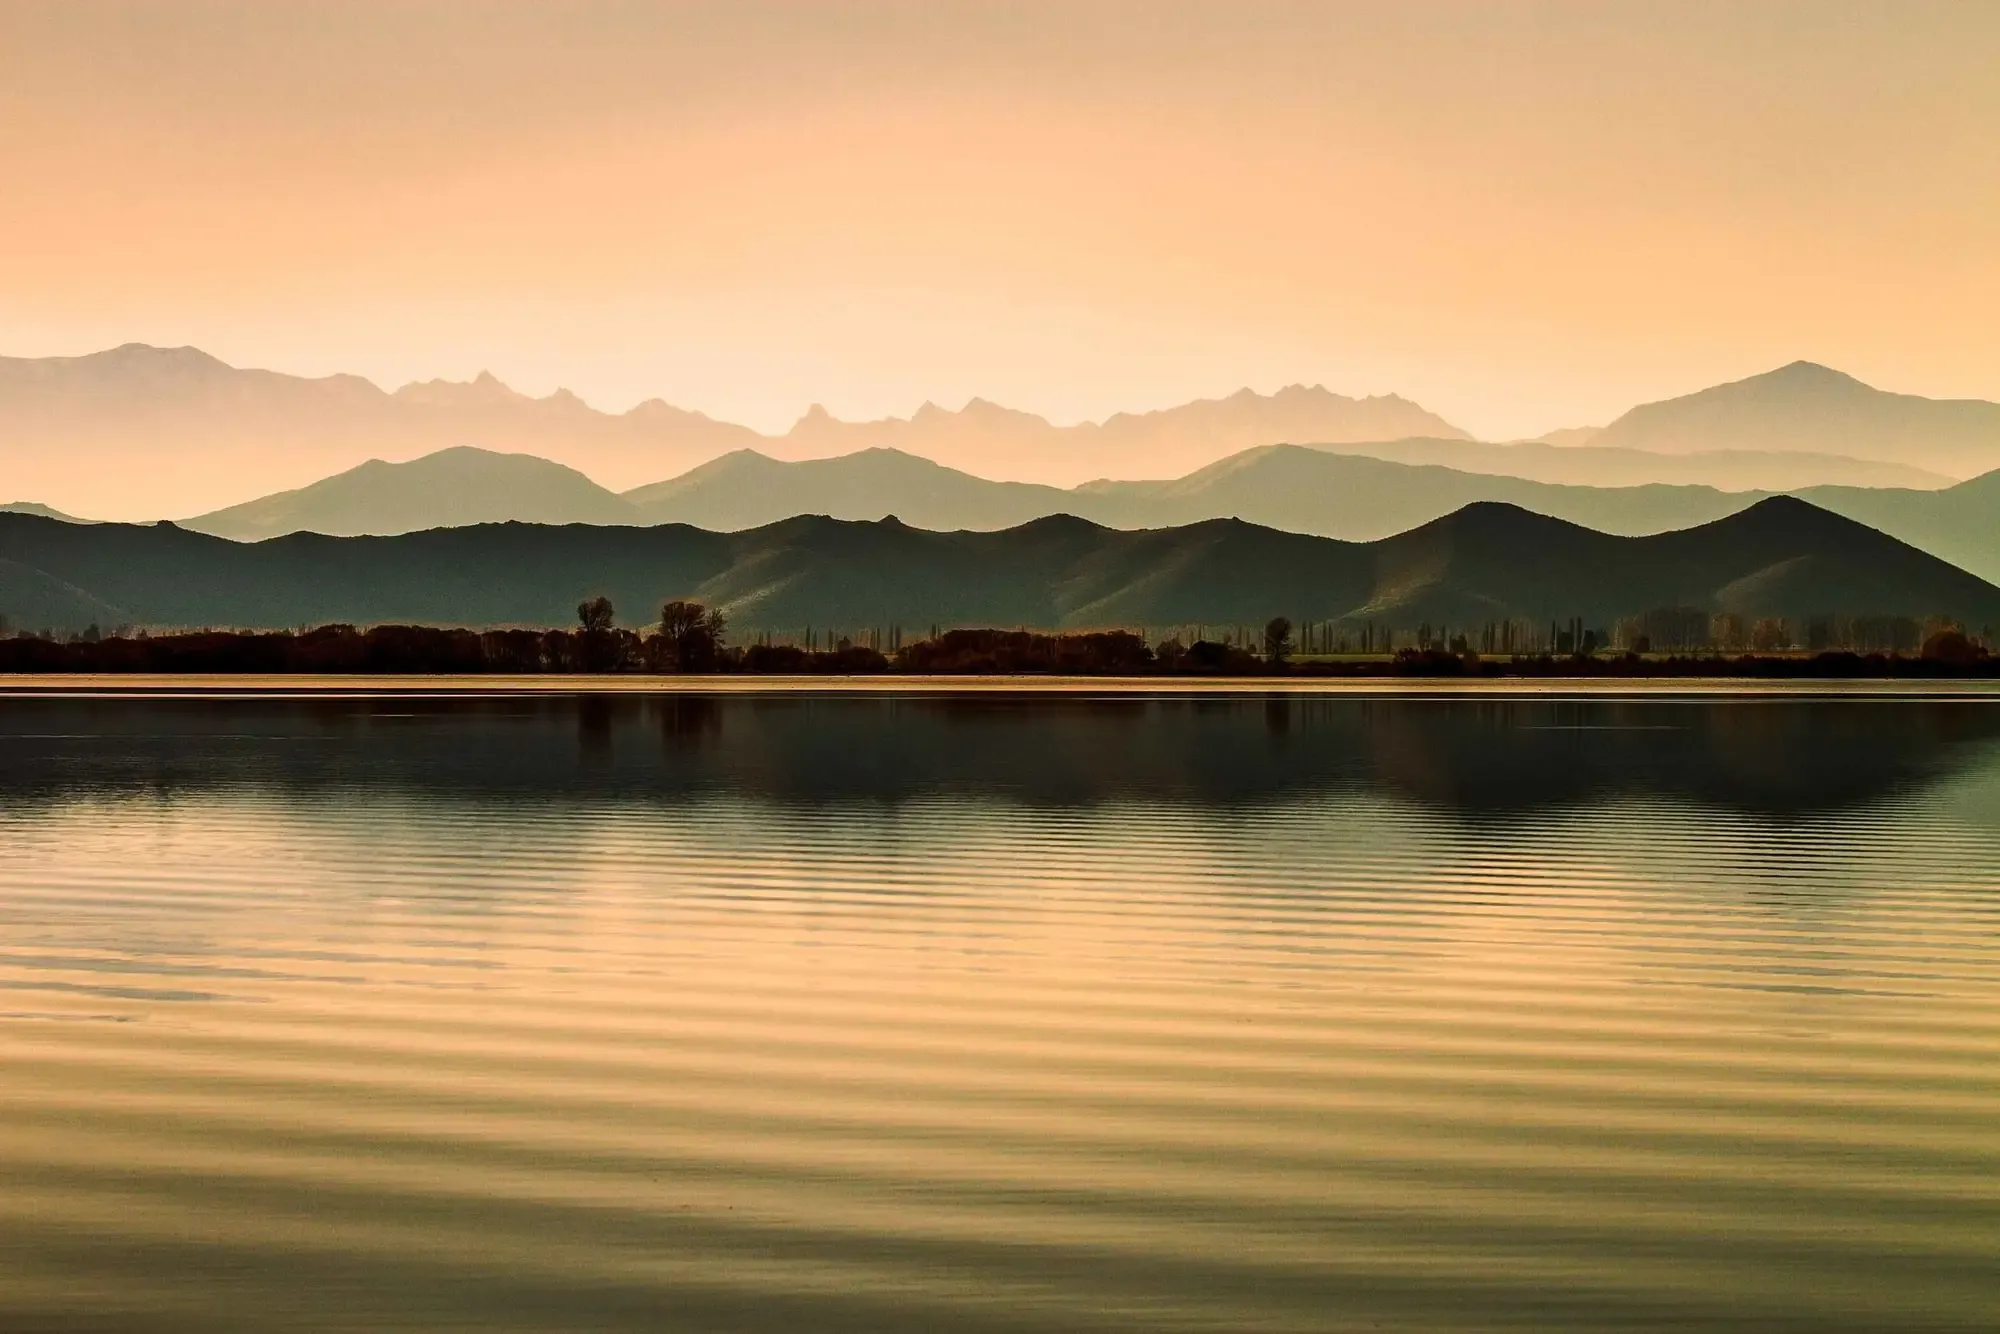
[(483, 390)]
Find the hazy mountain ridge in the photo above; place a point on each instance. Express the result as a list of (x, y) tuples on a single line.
[(984, 435), (1362, 498), (747, 489), (1316, 492), (138, 410), (1607, 466), (452, 488), (1311, 491), (153, 412), (1960, 524), (1780, 557), (201, 432), (33, 507), (1808, 407)]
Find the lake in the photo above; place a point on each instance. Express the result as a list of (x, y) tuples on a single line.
[(988, 1011)]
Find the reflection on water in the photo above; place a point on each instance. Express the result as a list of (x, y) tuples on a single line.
[(792, 1012)]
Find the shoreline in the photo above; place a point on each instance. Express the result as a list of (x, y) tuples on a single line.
[(191, 685)]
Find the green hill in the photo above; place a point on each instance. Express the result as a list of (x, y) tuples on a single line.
[(1780, 557), (449, 489)]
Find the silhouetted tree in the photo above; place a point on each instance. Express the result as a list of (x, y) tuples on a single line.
[(513, 650), (598, 647), (1952, 646), (775, 658), (1092, 653), (693, 635), (1205, 655), (678, 618), (1277, 639)]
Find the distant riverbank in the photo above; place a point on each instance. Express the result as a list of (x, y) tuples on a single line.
[(691, 647), (212, 685)]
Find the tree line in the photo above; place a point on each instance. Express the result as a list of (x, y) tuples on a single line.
[(690, 638)]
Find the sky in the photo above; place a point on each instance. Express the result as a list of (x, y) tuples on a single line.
[(1523, 215)]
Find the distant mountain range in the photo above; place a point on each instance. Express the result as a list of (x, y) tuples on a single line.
[(30, 507), (1585, 464), (988, 438), (745, 489), (1281, 486), (1805, 406), (1486, 562), (449, 489), (183, 432), (199, 430)]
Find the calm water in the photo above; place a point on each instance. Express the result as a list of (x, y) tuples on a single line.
[(809, 1013)]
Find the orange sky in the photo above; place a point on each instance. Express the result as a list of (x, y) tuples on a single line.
[(1524, 215)]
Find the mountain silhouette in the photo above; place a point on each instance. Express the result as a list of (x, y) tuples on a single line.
[(451, 488), (1356, 497), (186, 432), (1960, 524), (31, 507), (746, 489), (1583, 464), (1486, 562), (1362, 498), (32, 599), (1809, 407), (1352, 491), (985, 437), (1780, 557), (1359, 498), (202, 433)]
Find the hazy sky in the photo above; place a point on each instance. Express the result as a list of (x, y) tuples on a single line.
[(1522, 214)]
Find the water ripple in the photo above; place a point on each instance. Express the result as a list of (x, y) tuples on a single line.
[(874, 1014)]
